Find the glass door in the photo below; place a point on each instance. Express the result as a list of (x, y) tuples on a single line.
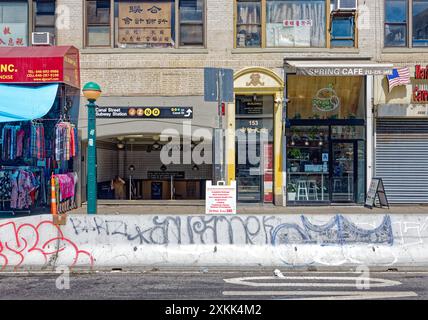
[(249, 174), (344, 171)]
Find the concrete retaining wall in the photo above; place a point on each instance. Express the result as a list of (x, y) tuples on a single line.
[(128, 241)]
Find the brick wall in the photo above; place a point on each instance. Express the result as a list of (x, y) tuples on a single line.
[(179, 72)]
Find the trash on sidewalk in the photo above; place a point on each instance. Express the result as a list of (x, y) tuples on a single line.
[(278, 274)]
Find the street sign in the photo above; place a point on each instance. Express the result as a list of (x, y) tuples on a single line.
[(211, 78), (376, 190), (144, 112)]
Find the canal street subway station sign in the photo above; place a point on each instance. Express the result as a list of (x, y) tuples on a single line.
[(337, 68), (144, 112)]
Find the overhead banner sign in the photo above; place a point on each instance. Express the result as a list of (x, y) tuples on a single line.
[(337, 69), (221, 198), (343, 71), (144, 112), (40, 65)]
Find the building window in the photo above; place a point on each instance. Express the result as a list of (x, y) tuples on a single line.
[(396, 13), (420, 23), (146, 23), (342, 30), (98, 23), (406, 23), (295, 23), (191, 22), (13, 23), (44, 16), (248, 28)]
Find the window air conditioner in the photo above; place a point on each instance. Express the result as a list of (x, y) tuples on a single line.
[(347, 4), (42, 39)]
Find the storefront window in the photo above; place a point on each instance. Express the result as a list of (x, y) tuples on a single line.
[(420, 23), (248, 33), (396, 23), (326, 136), (308, 164), (348, 132), (98, 23), (326, 97), (13, 23), (295, 23), (191, 22)]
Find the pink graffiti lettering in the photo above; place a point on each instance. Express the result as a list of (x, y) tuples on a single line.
[(38, 244)]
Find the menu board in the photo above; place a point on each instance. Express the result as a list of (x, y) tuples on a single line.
[(376, 190), (145, 22)]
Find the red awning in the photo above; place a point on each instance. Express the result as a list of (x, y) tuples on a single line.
[(40, 64)]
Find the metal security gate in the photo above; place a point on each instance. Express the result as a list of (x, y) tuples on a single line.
[(402, 159)]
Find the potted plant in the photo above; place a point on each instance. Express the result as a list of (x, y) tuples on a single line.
[(292, 192)]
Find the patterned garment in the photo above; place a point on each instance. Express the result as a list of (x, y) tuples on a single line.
[(5, 186)]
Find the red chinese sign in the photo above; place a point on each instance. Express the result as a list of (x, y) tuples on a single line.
[(40, 65), (420, 89)]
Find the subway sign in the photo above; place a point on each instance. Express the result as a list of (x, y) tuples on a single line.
[(144, 112)]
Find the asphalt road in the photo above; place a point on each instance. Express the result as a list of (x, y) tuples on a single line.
[(211, 284)]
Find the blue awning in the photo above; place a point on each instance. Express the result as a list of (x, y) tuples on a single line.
[(25, 102)]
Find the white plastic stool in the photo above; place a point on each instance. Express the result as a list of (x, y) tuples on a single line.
[(312, 187), (302, 190)]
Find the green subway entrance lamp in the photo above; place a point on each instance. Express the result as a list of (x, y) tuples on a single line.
[(92, 91)]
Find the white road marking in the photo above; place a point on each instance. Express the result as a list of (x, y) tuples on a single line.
[(327, 295), (318, 282), (373, 282)]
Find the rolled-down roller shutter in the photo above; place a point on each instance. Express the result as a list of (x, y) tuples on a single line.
[(402, 159)]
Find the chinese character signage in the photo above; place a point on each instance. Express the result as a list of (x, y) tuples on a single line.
[(145, 22), (13, 34), (40, 65), (297, 23)]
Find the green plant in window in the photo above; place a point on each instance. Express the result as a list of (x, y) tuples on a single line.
[(297, 116), (295, 153), (291, 188)]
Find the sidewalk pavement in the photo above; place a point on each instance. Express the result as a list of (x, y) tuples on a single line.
[(198, 208)]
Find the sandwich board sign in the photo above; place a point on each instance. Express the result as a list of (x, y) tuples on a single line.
[(376, 190), (220, 198)]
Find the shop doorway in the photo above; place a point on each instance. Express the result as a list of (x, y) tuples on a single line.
[(254, 145), (344, 171)]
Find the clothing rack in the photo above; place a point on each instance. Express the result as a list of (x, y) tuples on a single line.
[(3, 201)]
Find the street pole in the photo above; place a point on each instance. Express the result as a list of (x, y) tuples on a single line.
[(92, 159), (220, 124)]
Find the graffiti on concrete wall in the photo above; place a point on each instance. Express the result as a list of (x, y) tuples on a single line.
[(27, 243), (337, 231), (245, 230)]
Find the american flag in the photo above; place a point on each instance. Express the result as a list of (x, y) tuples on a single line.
[(399, 77)]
